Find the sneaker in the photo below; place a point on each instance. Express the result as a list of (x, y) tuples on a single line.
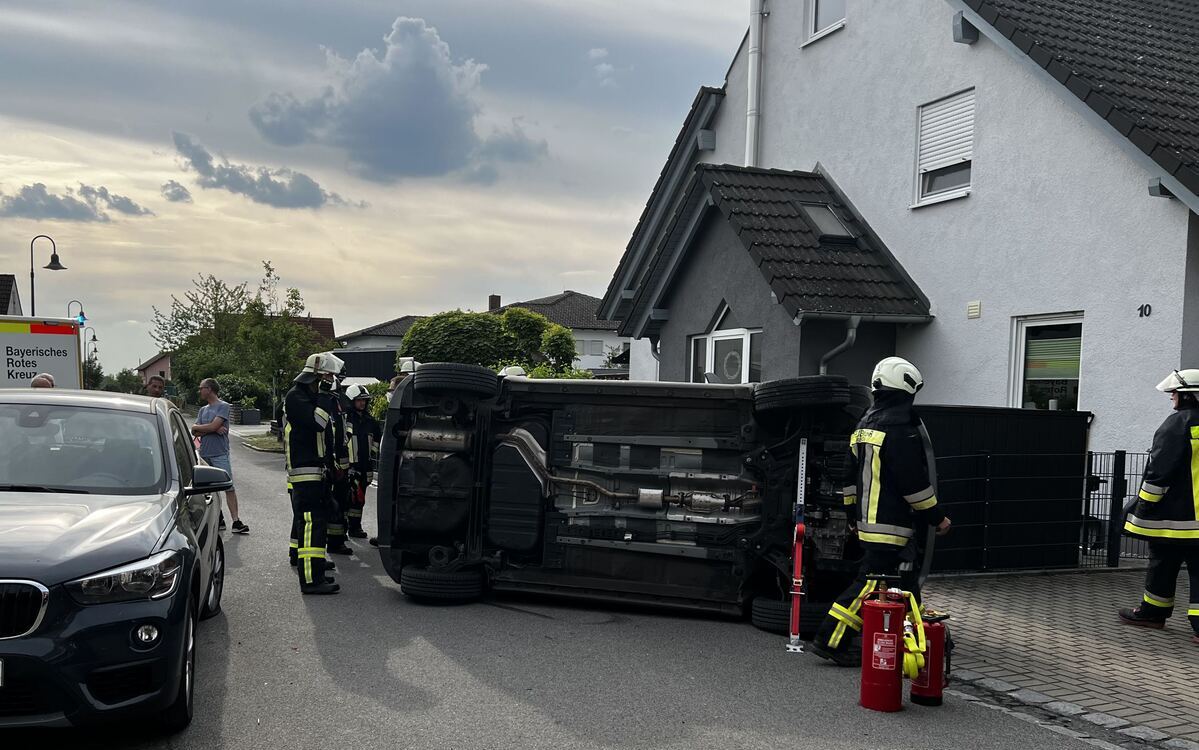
[(221, 524), (1140, 619), (358, 533), (848, 657), (240, 528)]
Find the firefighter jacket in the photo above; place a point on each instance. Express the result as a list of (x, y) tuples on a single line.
[(363, 429), (890, 483), (338, 444), (1168, 507), (305, 438)]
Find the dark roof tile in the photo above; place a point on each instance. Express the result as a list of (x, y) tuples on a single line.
[(571, 309)]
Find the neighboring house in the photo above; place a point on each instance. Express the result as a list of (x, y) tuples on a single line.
[(10, 296), (322, 328), (1004, 192), (159, 364), (387, 335), (594, 338)]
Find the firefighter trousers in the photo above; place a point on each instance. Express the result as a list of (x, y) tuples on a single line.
[(358, 484), (339, 507), (1161, 580), (845, 614), (309, 517)]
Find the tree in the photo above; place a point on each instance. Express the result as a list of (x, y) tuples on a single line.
[(93, 374), (515, 337), (125, 381), (211, 306)]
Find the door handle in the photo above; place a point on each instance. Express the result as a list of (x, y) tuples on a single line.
[(208, 499)]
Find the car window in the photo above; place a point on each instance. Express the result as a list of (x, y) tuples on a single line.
[(80, 449), (185, 451)]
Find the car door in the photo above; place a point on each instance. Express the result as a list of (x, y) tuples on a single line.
[(199, 511)]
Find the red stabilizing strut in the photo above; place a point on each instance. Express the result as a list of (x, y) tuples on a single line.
[(797, 582)]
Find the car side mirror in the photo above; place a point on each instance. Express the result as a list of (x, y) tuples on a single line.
[(209, 479)]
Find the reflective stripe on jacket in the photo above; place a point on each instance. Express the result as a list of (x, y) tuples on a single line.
[(891, 478), (1168, 507), (304, 435)]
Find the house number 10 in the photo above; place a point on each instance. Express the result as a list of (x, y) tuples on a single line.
[(1146, 310)]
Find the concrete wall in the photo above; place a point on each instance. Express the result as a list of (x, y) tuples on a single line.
[(375, 342), (1059, 219), (609, 339)]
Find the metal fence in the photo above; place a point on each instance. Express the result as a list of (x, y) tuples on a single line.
[(1109, 479)]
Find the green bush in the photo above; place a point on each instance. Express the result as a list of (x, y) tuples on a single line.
[(239, 389), (455, 336)]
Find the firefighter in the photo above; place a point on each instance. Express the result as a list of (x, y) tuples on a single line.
[(365, 433), (1166, 511), (338, 457), (891, 478), (305, 441)]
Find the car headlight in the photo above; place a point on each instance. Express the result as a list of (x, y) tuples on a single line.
[(153, 578)]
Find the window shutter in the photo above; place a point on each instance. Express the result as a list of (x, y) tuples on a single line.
[(946, 132), (1052, 359)]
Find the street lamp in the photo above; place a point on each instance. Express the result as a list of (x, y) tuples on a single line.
[(94, 349), (53, 265), (81, 318), (93, 339)]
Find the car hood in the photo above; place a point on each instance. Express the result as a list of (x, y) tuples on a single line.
[(52, 538)]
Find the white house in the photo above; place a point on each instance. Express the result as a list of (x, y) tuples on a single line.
[(1023, 175), (594, 338)]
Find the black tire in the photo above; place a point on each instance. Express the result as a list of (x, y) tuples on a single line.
[(179, 714), (860, 399), (774, 616), (452, 378), (216, 585), (810, 390), (441, 586)]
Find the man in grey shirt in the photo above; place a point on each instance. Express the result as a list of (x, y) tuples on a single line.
[(212, 427)]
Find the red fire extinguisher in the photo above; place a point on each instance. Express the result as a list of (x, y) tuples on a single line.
[(883, 614), (929, 684)]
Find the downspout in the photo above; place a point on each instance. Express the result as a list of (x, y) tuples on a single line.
[(753, 101), (851, 335)]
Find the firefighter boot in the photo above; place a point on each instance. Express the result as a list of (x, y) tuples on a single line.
[(842, 657), (1141, 618)]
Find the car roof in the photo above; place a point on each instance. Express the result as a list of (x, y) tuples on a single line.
[(85, 399)]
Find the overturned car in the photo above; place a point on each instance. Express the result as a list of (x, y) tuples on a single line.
[(671, 494)]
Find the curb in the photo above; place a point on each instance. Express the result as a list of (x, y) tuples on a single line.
[(261, 450), (1031, 699)]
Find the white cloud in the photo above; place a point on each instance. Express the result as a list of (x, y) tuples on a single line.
[(597, 53)]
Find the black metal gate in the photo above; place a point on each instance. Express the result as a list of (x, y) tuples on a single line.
[(1014, 483), (1109, 476)]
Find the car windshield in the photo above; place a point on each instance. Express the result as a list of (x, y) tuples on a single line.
[(77, 449)]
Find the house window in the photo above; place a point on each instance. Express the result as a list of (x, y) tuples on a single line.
[(589, 347), (1046, 362), (945, 149), (825, 223), (823, 18), (727, 356)]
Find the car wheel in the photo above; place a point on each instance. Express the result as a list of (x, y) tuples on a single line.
[(860, 399), (448, 377), (810, 390), (441, 586), (216, 584), (774, 616), (179, 714)]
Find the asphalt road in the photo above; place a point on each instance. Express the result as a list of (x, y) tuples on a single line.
[(370, 669)]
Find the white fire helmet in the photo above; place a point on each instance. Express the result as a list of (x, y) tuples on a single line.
[(513, 371), (356, 392), (324, 365), (408, 365), (896, 374), (1181, 381)]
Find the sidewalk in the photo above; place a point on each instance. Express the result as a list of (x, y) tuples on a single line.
[(1058, 635)]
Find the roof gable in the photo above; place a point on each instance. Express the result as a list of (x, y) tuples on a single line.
[(811, 275), (396, 327), (1134, 62), (571, 309)]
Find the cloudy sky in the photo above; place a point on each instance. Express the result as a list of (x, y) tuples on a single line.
[(390, 157)]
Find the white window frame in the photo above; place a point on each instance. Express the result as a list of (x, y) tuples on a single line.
[(743, 334), (919, 199), (811, 33), (1020, 326)]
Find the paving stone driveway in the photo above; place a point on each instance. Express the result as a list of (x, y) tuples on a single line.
[(1058, 634)]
